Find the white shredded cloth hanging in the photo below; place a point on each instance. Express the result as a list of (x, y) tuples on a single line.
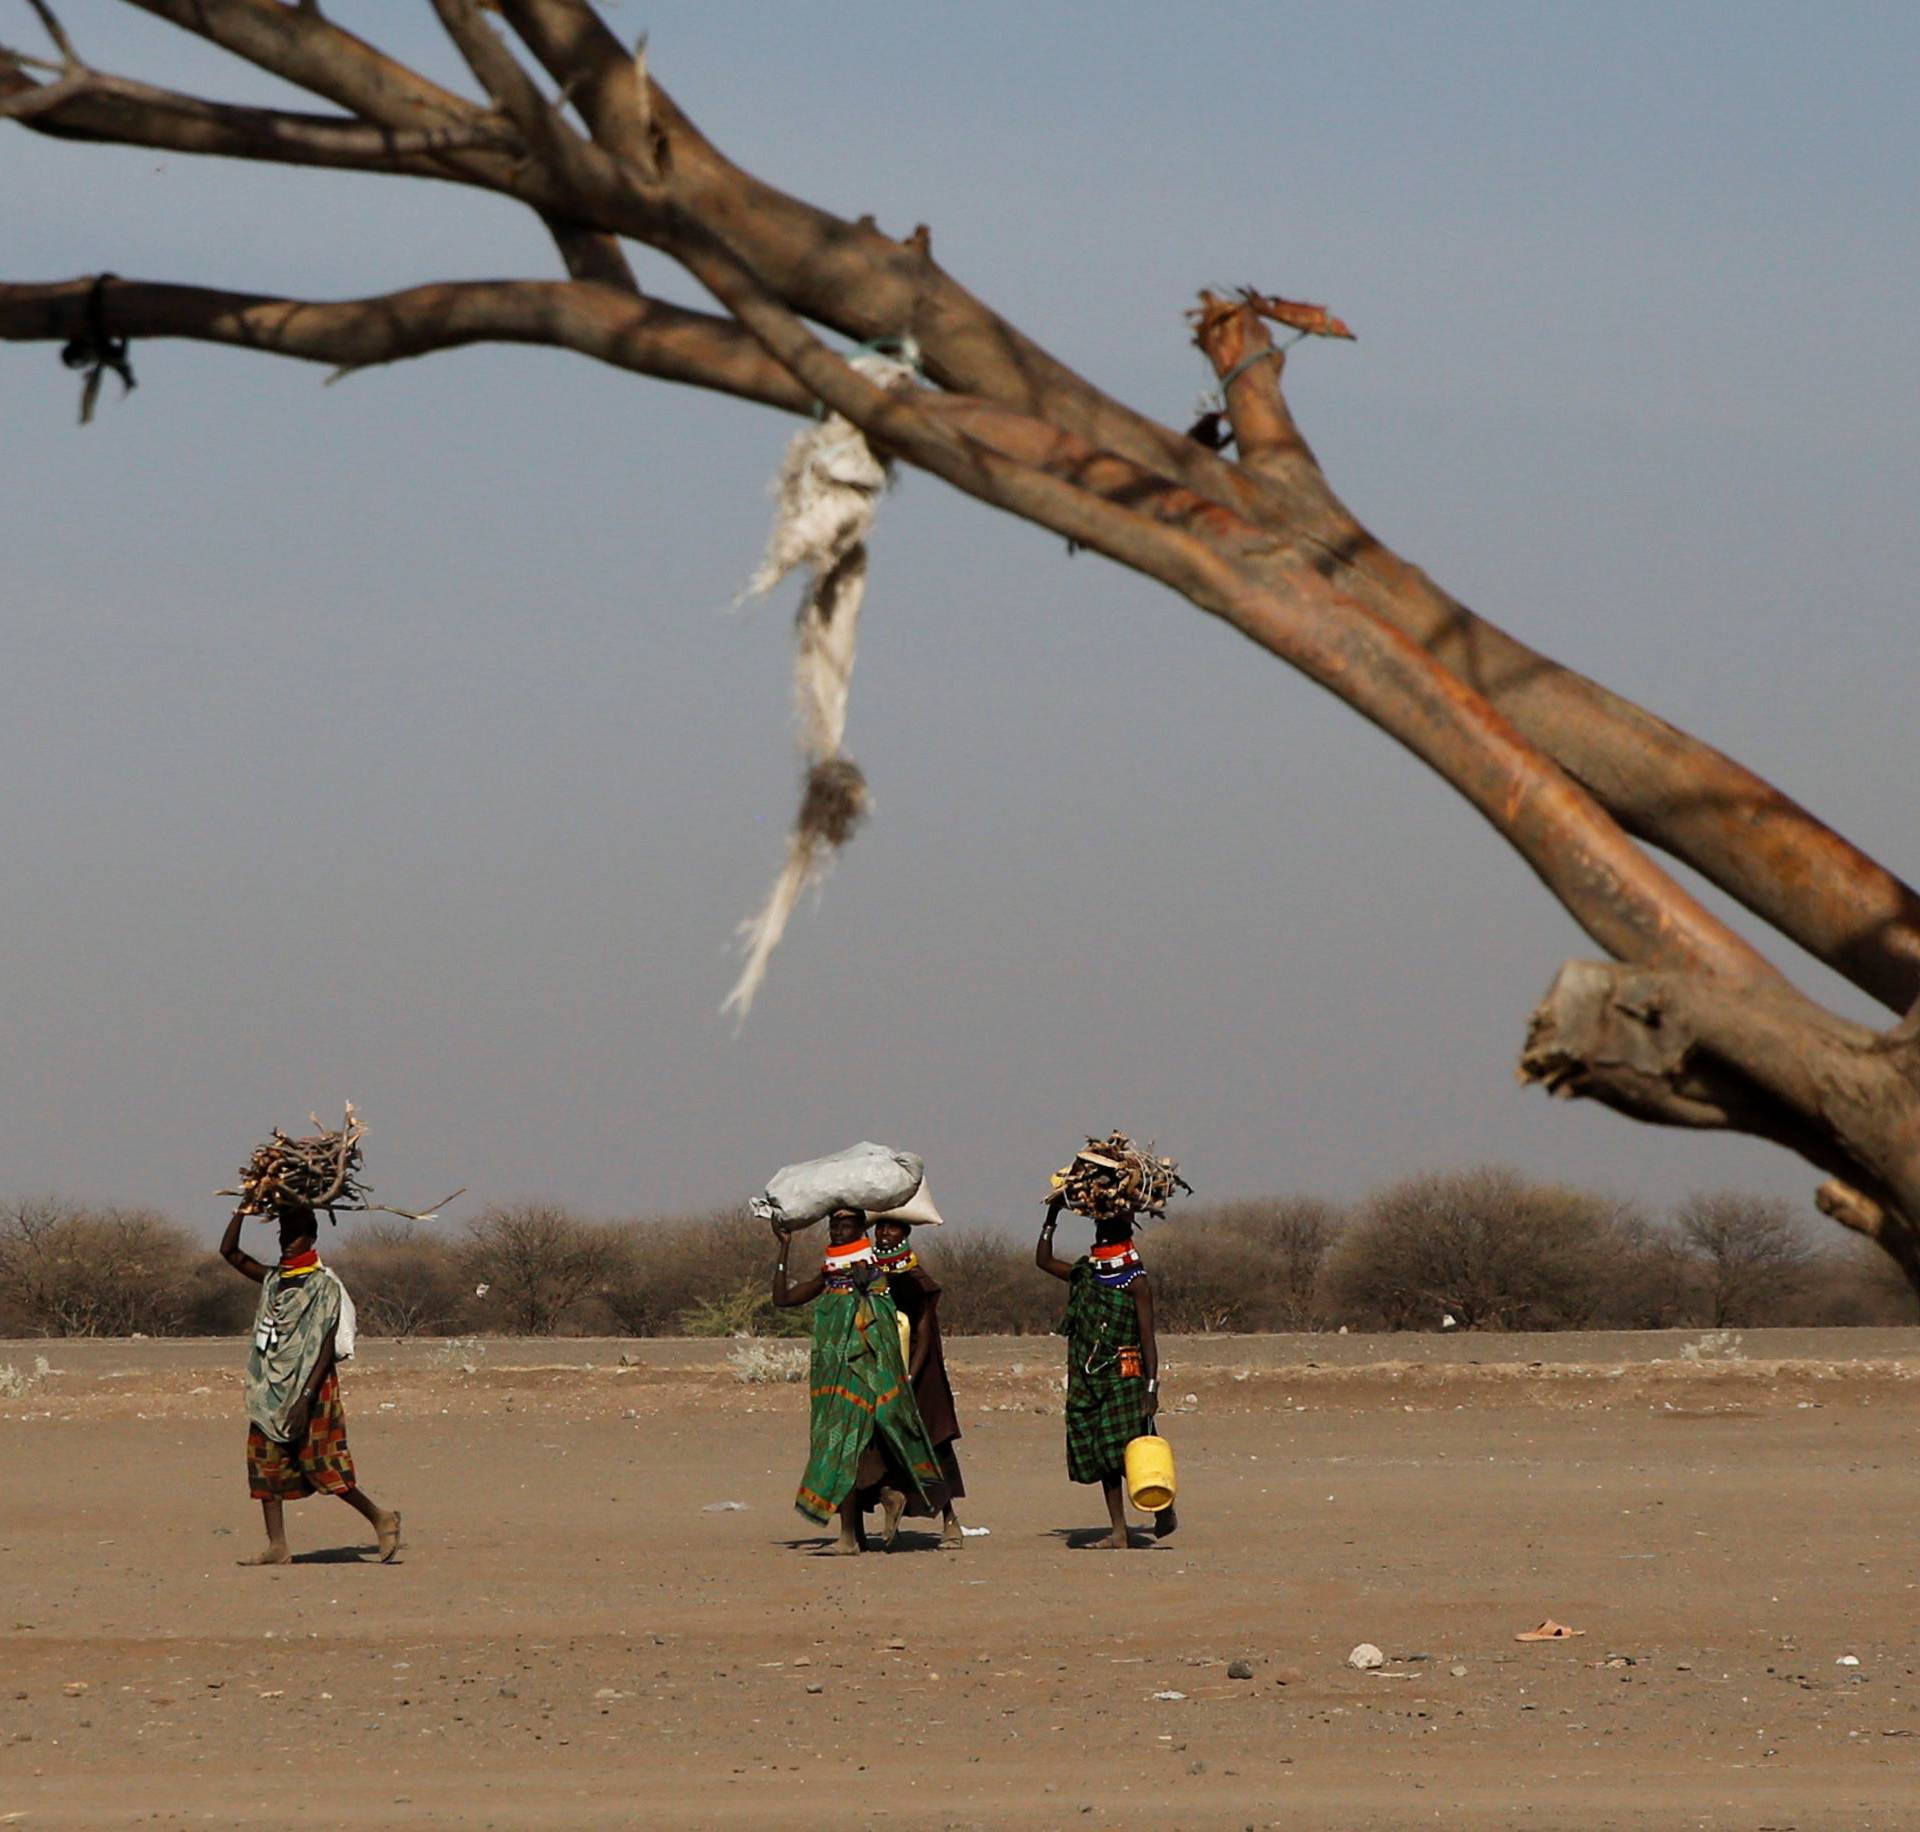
[(826, 495)]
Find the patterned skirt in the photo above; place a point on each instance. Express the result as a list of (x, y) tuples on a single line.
[(321, 1464), (862, 1420), (1105, 1413)]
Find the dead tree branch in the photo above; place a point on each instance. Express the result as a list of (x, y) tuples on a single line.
[(1691, 1027)]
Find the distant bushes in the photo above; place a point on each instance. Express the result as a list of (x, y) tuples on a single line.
[(67, 1270), (1484, 1247)]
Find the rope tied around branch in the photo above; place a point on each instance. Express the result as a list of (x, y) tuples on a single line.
[(96, 350)]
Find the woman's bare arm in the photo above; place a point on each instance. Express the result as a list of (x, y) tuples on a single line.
[(785, 1295), (1149, 1343), (231, 1251), (1043, 1254)]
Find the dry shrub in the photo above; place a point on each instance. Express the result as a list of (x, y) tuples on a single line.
[(1202, 1282), (1242, 1266), (675, 1274), (1852, 1286), (1751, 1254), (405, 1279), (747, 1310), (217, 1301), (67, 1270), (1482, 1246), (989, 1285), (759, 1364), (538, 1264)]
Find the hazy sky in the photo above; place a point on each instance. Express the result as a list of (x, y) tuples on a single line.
[(395, 739)]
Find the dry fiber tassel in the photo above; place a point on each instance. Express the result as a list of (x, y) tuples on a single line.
[(825, 499)]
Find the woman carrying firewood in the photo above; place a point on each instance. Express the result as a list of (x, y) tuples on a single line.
[(864, 1430), (1113, 1360), (297, 1429), (1113, 1356)]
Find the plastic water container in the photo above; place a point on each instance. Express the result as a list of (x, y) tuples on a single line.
[(906, 1340), (1150, 1482)]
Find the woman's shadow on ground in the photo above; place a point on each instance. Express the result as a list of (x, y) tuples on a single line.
[(906, 1540), (1088, 1539)]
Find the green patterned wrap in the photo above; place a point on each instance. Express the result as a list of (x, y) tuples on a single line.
[(1104, 1406), (859, 1392)]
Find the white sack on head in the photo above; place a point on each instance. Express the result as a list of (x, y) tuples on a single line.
[(917, 1211), (864, 1176), (825, 499)]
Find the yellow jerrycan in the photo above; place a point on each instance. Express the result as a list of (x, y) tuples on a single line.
[(906, 1340), (1150, 1482)]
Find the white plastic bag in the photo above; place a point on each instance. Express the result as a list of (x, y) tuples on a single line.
[(864, 1176)]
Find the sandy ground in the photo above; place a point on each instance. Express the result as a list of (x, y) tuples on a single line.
[(575, 1636)]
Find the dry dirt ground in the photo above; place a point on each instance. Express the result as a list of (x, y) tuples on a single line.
[(576, 1636)]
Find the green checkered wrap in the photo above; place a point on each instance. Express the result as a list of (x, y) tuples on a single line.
[(1103, 1406), (859, 1387)]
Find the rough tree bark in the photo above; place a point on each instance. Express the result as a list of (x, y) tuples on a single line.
[(1685, 1024)]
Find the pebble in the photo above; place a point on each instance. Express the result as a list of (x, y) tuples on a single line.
[(1366, 1657), (1240, 1669), (814, 1685), (1458, 1671)]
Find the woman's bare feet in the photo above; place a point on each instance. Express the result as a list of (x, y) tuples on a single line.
[(950, 1536), (387, 1525), (892, 1505), (274, 1555), (1164, 1523), (1114, 1542), (853, 1534)]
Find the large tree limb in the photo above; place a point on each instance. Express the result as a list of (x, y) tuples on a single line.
[(1679, 1049), (302, 47), (1733, 827), (1663, 786), (608, 323), (1564, 771), (1611, 888), (92, 105)]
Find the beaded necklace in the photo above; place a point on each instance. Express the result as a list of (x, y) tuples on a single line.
[(1116, 1265), (840, 1266)]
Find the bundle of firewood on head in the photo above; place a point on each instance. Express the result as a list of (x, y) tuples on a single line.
[(1114, 1177), (322, 1173)]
